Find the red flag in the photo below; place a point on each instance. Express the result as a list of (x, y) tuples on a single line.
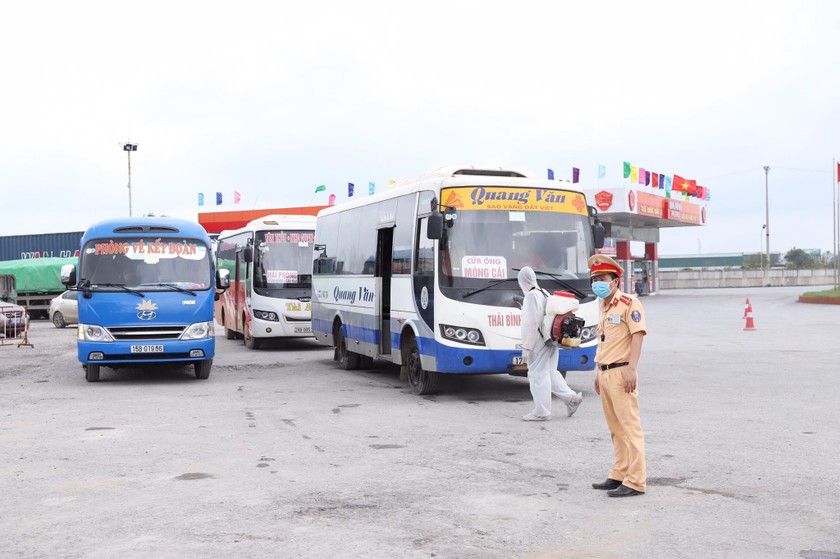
[(655, 179), (838, 172), (684, 185)]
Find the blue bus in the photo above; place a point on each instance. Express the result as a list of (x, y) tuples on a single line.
[(147, 287)]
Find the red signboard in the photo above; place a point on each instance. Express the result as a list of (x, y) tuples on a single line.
[(650, 205), (680, 211)]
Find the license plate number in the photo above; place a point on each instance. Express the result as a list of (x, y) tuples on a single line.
[(147, 349), (518, 360), (303, 329)]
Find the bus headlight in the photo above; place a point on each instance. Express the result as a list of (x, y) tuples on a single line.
[(588, 333), (462, 334), (94, 333), (199, 331), (266, 315)]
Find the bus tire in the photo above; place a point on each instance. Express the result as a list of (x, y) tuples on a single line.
[(92, 372), (563, 373), (229, 334), (250, 341), (421, 381), (202, 368), (347, 360)]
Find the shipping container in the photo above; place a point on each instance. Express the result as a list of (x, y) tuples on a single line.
[(46, 245)]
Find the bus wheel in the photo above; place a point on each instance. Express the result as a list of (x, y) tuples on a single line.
[(202, 368), (563, 373), (92, 372), (421, 382), (347, 360), (250, 341), (229, 334)]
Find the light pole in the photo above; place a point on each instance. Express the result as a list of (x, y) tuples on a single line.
[(767, 218), (761, 248), (129, 148)]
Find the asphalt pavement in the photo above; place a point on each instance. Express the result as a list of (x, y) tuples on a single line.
[(279, 453)]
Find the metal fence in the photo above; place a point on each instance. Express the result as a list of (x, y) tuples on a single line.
[(14, 327)]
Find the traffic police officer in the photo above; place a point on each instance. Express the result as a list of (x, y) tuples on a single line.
[(621, 330)]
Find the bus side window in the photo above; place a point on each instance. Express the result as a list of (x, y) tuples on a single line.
[(425, 251)]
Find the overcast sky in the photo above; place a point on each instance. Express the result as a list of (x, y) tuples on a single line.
[(271, 99)]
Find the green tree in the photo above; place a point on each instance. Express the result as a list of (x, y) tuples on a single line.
[(798, 259), (753, 262)]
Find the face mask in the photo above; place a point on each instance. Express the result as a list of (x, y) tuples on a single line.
[(601, 288)]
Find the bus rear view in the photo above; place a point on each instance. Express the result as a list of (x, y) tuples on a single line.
[(146, 288)]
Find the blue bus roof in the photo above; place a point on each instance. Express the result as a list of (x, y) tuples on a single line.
[(146, 227)]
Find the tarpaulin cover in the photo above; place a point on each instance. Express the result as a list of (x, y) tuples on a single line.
[(34, 275)]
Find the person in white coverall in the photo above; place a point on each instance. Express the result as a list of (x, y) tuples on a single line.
[(541, 357)]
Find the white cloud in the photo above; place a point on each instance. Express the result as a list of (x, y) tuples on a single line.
[(272, 99)]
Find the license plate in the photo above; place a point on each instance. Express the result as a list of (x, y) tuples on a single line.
[(518, 360), (303, 329), (147, 349)]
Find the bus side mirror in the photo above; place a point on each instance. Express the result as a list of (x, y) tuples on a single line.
[(222, 279), (434, 228), (68, 275), (248, 254), (598, 233)]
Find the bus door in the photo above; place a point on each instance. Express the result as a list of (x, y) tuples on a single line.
[(238, 293), (384, 260)]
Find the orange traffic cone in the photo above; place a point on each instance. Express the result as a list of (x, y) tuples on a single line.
[(749, 316), (746, 306)]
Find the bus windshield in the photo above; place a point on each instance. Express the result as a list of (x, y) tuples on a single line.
[(283, 259), (488, 245), (152, 264)]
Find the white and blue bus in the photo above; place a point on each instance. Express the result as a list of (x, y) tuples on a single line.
[(425, 273), (146, 289), (270, 266)]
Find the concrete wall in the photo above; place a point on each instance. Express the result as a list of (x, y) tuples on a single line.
[(690, 279)]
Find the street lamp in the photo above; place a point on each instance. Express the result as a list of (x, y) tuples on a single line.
[(767, 216), (128, 148)]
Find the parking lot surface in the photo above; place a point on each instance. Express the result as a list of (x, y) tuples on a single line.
[(279, 453)]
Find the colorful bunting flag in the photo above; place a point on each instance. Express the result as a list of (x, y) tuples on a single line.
[(332, 200), (627, 170), (655, 180), (642, 174), (200, 198), (602, 171), (320, 188), (218, 198), (551, 174), (371, 188), (634, 174), (575, 174), (350, 187), (236, 197), (668, 185)]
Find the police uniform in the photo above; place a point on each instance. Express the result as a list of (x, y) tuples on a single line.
[(620, 318)]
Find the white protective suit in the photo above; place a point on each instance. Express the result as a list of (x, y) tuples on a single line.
[(541, 358)]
